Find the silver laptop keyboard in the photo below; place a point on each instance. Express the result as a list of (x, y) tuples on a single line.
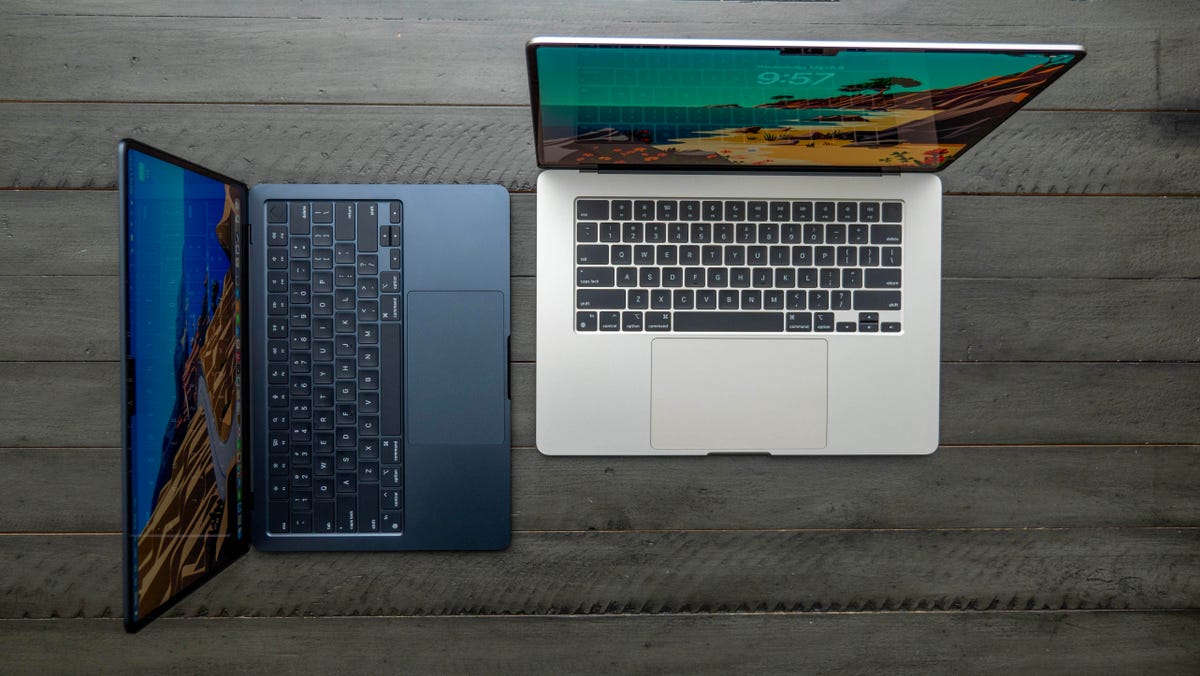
[(737, 265)]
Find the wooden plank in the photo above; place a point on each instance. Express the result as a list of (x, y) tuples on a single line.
[(482, 61), (649, 572), (72, 146), (1011, 13), (1130, 642), (982, 403), (983, 236), (75, 318), (73, 490)]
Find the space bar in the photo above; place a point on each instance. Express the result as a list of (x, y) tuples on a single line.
[(391, 358), (727, 321)]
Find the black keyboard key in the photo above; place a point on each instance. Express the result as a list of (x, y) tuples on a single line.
[(689, 210), (780, 255), (344, 254), (806, 278), (846, 327), (280, 516), (594, 276), (876, 300), (781, 211), (868, 256), (818, 300), (610, 321), (798, 321), (823, 321), (639, 299), (585, 231), (585, 321), (756, 211), (797, 300), (323, 521), (343, 221), (322, 235), (683, 299), (814, 233), (762, 278), (747, 233), (277, 235), (893, 212), (802, 211), (729, 321), (835, 233), (660, 299), (656, 232), (631, 321), (368, 226), (712, 211), (728, 300), (768, 233), (298, 220), (368, 509), (672, 277), (883, 278), (891, 327), (395, 212), (756, 255), (847, 211), (668, 210), (859, 234), (347, 516), (773, 300), (677, 233), (852, 278), (631, 233), (592, 255), (802, 256), (723, 233), (658, 321), (610, 232), (825, 211), (390, 380), (277, 212), (847, 256), (391, 522), (706, 299), (621, 254), (840, 300), (667, 254), (735, 255), (868, 212), (752, 300), (323, 213), (702, 232), (868, 327), (735, 210), (891, 256), (627, 277), (831, 278), (648, 276), (622, 210), (885, 234), (643, 210), (825, 255), (591, 210)]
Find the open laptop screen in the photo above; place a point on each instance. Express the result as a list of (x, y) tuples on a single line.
[(182, 232), (719, 104)]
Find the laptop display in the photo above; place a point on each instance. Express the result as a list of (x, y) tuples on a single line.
[(183, 334), (668, 105)]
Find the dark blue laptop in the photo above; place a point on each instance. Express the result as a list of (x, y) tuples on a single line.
[(307, 367)]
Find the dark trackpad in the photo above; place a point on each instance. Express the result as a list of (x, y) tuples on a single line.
[(456, 367)]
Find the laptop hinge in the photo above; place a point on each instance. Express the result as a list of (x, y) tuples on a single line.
[(855, 171)]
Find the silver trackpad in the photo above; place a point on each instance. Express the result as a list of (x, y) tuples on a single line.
[(738, 394)]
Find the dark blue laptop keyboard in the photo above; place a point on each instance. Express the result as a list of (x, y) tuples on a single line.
[(737, 265), (334, 306)]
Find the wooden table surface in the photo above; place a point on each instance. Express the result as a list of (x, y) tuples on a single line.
[(1057, 528)]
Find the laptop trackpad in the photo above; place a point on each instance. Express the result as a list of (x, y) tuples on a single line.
[(456, 361), (738, 394)]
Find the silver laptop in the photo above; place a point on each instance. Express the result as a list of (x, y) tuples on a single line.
[(739, 242)]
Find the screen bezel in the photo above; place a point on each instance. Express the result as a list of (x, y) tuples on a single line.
[(548, 42), (241, 545)]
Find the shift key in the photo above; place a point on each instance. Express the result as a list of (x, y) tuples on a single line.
[(600, 299), (876, 300)]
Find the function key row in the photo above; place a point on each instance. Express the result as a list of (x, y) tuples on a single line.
[(738, 233), (715, 322), (738, 210)]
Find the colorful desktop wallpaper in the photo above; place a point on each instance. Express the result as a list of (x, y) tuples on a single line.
[(602, 105), (184, 328)]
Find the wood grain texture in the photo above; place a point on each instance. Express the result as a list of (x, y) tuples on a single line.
[(481, 63), (76, 318), (73, 146), (983, 236), (956, 487), (982, 403), (649, 572), (1109, 642)]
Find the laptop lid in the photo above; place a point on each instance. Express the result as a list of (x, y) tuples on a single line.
[(185, 518), (632, 104)]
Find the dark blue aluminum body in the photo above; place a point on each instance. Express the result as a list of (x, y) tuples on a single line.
[(457, 432)]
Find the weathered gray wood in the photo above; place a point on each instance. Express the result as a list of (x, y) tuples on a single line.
[(956, 487), (73, 145), (75, 318), (1108, 642), (629, 13), (983, 236), (479, 61), (982, 403), (650, 572)]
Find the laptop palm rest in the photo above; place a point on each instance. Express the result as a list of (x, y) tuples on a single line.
[(456, 367), (738, 394)]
